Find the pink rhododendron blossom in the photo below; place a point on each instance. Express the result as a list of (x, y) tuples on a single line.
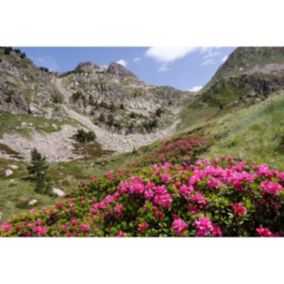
[(165, 178), (109, 175), (263, 232), (199, 199), (203, 226), (40, 230), (217, 231), (179, 226), (185, 190), (271, 187), (160, 189), (143, 227), (239, 209), (215, 183), (118, 210), (6, 226), (166, 166), (164, 200), (148, 193), (120, 234), (84, 228), (64, 228)]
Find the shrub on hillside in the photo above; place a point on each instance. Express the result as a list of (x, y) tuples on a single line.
[(83, 136), (224, 198)]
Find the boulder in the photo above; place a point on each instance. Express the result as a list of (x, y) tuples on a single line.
[(59, 192), (8, 172), (32, 202), (13, 167)]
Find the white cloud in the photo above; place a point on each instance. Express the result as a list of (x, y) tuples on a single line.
[(165, 55), (122, 62), (209, 55), (225, 58), (46, 61), (168, 54), (164, 67), (195, 88), (136, 59), (208, 61)]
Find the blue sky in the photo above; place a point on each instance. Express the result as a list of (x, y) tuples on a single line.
[(185, 68)]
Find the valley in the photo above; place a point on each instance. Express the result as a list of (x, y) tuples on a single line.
[(145, 136)]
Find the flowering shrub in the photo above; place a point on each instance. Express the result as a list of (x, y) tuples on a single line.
[(226, 197)]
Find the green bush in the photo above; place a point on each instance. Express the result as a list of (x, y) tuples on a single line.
[(83, 137)]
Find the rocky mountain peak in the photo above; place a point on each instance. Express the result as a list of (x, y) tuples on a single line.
[(120, 71), (87, 66)]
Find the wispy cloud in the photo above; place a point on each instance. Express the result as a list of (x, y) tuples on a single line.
[(195, 88), (209, 55), (166, 55), (122, 62), (136, 59), (46, 61)]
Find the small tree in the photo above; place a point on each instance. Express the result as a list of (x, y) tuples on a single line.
[(37, 170), (83, 137)]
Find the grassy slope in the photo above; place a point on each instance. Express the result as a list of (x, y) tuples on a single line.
[(251, 133)]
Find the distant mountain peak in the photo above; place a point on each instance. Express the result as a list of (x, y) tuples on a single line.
[(120, 71), (87, 66)]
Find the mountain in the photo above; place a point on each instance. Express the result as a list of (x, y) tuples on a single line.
[(250, 75), (239, 114), (123, 111)]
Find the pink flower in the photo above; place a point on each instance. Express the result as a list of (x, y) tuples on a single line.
[(118, 210), (148, 193), (120, 234), (264, 232), (84, 228), (74, 221), (165, 178), (166, 166), (165, 200), (199, 199), (217, 231), (6, 226), (160, 189), (109, 175), (143, 227), (239, 209), (204, 226), (40, 230), (179, 226), (214, 183), (185, 190), (64, 228), (271, 187)]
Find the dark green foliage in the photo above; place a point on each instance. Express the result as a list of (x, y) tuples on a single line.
[(8, 50), (44, 69), (83, 137), (37, 170), (101, 118), (76, 96), (150, 125), (57, 98), (8, 98), (110, 119), (159, 112)]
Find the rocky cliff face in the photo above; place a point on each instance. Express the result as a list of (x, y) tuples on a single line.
[(123, 111), (249, 75), (113, 98)]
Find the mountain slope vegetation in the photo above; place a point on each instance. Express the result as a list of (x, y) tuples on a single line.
[(169, 188)]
